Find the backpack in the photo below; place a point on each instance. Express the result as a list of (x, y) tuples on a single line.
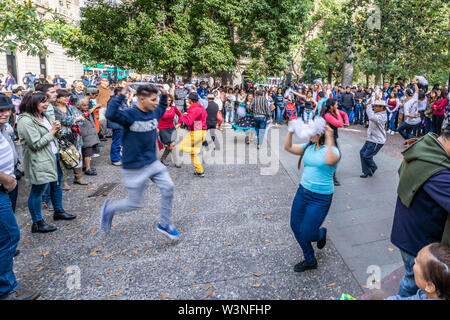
[(291, 111)]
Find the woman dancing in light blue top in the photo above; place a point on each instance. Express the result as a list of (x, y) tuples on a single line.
[(315, 193)]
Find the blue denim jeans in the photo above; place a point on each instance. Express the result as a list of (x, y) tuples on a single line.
[(37, 191), (428, 125), (406, 130), (367, 152), (359, 113), (116, 146), (13, 197), (260, 128), (408, 285), (229, 116), (391, 120), (308, 212), (280, 114), (307, 115), (9, 238)]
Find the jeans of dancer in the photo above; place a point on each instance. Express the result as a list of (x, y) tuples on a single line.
[(307, 115)]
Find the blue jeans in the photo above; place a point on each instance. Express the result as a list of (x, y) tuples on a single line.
[(300, 109), (308, 212), (359, 113), (280, 114), (391, 120), (37, 191), (13, 197), (260, 128), (347, 111), (428, 125), (408, 285), (116, 145), (229, 116), (367, 152), (406, 130), (307, 115), (9, 238)]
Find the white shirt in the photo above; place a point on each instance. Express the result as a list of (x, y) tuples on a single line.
[(411, 107), (49, 127)]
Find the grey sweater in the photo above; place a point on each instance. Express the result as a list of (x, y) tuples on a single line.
[(377, 121)]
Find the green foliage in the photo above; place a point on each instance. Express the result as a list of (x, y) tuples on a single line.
[(21, 28)]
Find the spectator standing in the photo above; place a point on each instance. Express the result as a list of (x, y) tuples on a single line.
[(423, 201), (59, 82), (37, 132), (104, 94)]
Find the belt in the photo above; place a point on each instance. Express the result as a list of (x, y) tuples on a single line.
[(260, 115)]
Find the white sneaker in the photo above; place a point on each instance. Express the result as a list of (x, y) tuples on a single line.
[(95, 155), (392, 133)]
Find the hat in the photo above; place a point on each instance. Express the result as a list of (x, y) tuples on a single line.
[(180, 83), (211, 96), (5, 102), (193, 96), (409, 92), (381, 103), (91, 90)]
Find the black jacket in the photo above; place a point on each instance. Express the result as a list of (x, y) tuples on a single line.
[(347, 100), (212, 110)]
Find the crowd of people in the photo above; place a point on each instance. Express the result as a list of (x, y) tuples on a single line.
[(39, 122)]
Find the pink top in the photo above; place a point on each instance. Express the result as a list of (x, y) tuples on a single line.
[(338, 120), (439, 106), (166, 121)]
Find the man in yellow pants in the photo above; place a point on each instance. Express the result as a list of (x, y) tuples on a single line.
[(195, 120)]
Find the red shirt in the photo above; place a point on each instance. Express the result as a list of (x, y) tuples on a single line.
[(166, 121)]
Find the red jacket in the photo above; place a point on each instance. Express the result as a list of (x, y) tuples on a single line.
[(195, 118)]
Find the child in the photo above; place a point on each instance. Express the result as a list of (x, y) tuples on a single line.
[(431, 274), (89, 135), (139, 157)]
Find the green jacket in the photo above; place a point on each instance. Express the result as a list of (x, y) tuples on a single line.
[(39, 162), (421, 161)]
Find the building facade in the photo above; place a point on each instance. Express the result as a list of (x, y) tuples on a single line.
[(56, 62)]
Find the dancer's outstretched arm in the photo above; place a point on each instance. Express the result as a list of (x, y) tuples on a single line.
[(331, 158), (292, 148)]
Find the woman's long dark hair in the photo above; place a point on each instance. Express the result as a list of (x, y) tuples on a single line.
[(31, 101), (328, 104), (321, 143)]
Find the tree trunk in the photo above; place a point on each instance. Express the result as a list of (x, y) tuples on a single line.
[(367, 80), (227, 79), (330, 75), (347, 68), (189, 73)]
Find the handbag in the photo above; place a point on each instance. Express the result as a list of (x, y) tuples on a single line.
[(351, 116), (68, 153)]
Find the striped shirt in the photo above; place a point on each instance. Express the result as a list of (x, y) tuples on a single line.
[(259, 106), (6, 157)]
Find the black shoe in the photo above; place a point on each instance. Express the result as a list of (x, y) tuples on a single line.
[(20, 294), (365, 175), (321, 243), (305, 265), (42, 227), (93, 169), (17, 253), (90, 172), (201, 174), (336, 182), (62, 215)]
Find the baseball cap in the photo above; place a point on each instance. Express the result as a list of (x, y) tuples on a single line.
[(409, 92), (193, 96), (5, 102)]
